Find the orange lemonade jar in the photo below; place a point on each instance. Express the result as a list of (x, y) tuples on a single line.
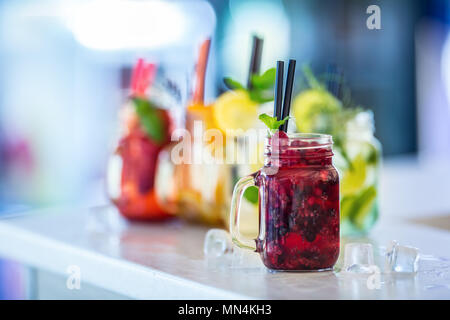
[(194, 189)]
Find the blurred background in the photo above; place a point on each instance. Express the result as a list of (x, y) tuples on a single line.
[(64, 66)]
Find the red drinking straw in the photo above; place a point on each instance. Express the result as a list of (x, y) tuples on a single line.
[(142, 77), (199, 93), (135, 75)]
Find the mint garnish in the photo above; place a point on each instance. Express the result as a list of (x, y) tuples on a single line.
[(150, 119), (233, 84), (271, 122), (265, 80), (261, 90)]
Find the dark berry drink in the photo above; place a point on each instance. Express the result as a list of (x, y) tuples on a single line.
[(299, 204)]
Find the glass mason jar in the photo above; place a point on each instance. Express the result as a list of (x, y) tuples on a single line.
[(359, 161), (132, 167), (196, 186), (145, 127), (298, 204), (192, 180), (247, 159)]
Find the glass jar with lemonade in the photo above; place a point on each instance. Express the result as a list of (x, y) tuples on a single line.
[(357, 151), (360, 175)]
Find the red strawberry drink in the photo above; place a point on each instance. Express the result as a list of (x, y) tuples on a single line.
[(146, 131)]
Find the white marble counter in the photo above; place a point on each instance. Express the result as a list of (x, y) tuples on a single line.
[(165, 260)]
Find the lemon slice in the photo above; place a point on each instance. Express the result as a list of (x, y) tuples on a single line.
[(234, 110), (354, 177), (312, 109)]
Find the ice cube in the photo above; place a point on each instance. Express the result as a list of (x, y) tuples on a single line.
[(402, 259), (358, 258), (221, 252), (244, 258), (217, 243)]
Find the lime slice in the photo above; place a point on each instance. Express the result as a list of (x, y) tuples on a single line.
[(234, 110), (354, 177), (362, 206), (372, 155), (252, 194), (313, 109), (346, 206)]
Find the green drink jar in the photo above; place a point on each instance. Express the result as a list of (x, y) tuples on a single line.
[(358, 160)]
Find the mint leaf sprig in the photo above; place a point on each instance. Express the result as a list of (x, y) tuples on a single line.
[(272, 123), (261, 90), (151, 119)]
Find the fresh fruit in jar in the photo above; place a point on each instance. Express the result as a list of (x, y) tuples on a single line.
[(147, 131), (355, 176), (313, 109), (357, 207), (299, 203), (137, 198), (234, 110), (199, 111)]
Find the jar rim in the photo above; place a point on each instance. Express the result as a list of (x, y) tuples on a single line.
[(311, 136), (320, 140)]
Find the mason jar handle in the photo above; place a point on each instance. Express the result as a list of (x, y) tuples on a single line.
[(236, 200)]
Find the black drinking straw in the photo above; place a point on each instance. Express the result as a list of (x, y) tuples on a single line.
[(278, 90), (255, 59), (288, 94)]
